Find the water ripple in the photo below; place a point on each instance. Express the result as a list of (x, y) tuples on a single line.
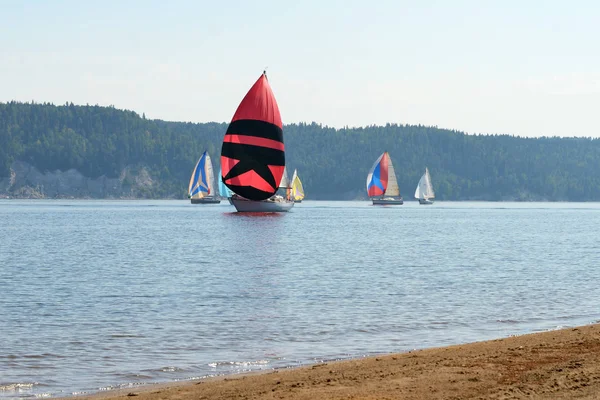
[(104, 295)]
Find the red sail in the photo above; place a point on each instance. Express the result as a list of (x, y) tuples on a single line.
[(253, 154), (259, 104)]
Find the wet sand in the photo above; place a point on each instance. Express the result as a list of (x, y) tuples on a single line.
[(561, 364)]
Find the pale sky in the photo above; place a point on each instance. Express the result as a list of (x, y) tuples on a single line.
[(528, 68)]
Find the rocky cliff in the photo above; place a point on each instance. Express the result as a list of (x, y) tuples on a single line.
[(25, 181)]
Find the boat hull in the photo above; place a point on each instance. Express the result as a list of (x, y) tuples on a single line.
[(388, 202), (425, 202), (243, 205), (205, 200)]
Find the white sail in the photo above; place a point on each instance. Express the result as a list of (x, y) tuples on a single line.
[(392, 189), (285, 180), (424, 188), (210, 176), (418, 190), (430, 192)]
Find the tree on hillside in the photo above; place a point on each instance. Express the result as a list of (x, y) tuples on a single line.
[(333, 163)]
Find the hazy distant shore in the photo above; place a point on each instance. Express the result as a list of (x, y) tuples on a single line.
[(560, 364), (28, 182)]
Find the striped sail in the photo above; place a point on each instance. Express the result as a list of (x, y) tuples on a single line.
[(253, 153), (381, 180), (201, 181), (297, 189)]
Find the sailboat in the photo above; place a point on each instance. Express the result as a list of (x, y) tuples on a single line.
[(382, 185), (200, 189), (253, 153), (224, 191), (424, 191), (297, 189)]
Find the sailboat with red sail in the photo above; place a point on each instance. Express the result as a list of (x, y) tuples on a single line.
[(253, 153), (382, 185)]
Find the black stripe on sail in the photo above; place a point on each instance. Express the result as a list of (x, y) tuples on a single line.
[(251, 127), (254, 154), (252, 158)]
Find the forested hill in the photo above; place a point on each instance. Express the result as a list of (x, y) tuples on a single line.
[(332, 163)]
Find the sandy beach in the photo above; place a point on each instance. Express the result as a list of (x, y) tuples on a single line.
[(561, 364)]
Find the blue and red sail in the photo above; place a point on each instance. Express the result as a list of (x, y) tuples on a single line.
[(253, 154), (377, 179)]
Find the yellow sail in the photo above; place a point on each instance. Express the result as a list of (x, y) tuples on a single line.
[(297, 189)]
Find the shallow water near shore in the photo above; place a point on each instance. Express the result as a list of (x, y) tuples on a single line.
[(96, 295)]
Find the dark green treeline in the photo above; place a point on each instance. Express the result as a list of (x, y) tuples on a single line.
[(332, 163)]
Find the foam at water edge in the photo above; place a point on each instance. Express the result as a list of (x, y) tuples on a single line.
[(17, 387), (238, 363)]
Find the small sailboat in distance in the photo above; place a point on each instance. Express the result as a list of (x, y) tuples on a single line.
[(201, 187), (297, 189), (253, 153), (424, 191), (382, 185)]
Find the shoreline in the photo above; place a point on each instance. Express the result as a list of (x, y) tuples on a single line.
[(557, 364)]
